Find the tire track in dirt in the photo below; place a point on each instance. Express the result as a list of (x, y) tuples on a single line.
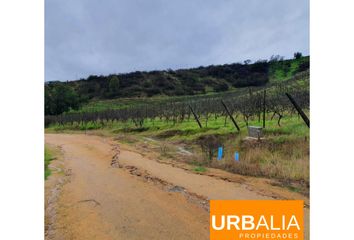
[(202, 201)]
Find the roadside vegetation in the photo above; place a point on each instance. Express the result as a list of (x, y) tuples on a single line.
[(282, 154), (200, 169), (48, 157)]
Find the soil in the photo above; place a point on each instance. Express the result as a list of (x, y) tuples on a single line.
[(108, 190)]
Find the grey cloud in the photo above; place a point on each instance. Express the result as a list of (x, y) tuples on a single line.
[(85, 37)]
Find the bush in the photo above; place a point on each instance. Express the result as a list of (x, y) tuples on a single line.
[(221, 87)]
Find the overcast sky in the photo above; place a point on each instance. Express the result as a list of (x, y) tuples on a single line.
[(86, 37)]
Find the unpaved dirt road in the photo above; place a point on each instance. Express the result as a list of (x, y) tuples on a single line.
[(107, 191)]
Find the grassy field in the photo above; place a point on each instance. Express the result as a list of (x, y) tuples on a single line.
[(189, 130), (280, 71)]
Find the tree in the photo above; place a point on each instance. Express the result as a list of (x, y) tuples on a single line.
[(297, 55), (246, 62), (113, 86), (60, 98), (276, 58)]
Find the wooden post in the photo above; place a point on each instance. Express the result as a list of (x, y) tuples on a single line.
[(299, 110), (264, 107), (195, 116), (232, 118)]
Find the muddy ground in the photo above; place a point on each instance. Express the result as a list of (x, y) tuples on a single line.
[(103, 189)]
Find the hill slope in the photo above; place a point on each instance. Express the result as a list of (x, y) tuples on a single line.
[(201, 80)]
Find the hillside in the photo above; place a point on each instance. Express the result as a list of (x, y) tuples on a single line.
[(201, 80), (202, 124)]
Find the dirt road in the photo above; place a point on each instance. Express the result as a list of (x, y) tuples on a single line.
[(110, 192)]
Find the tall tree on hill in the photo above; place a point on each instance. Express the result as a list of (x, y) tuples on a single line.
[(297, 55)]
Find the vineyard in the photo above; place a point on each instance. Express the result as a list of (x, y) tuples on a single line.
[(202, 123), (247, 103)]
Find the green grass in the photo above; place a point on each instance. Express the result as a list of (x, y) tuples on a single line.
[(199, 169), (48, 156), (291, 126), (280, 71)]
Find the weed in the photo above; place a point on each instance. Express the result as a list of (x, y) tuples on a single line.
[(199, 169), (47, 158)]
